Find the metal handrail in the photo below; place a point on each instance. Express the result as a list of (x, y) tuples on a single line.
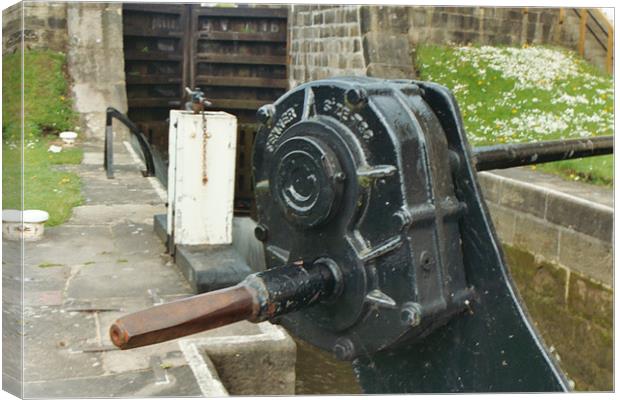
[(108, 152), (515, 155)]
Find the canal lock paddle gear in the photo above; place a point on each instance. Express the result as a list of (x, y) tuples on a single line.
[(378, 244)]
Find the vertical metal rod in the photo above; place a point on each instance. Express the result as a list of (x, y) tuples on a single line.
[(108, 149)]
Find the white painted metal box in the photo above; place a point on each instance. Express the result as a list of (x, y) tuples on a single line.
[(201, 177)]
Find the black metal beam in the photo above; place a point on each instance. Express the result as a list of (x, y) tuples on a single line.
[(516, 155)]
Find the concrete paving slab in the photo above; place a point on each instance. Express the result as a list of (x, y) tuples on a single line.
[(104, 196), (12, 278), (43, 298), (97, 172), (95, 144), (136, 238), (97, 175), (70, 245), (11, 252), (11, 351), (181, 382), (112, 214), (38, 279), (115, 306), (96, 158), (127, 186), (105, 262), (124, 279), (51, 339), (118, 361)]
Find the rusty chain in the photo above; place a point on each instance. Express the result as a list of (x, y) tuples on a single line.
[(205, 137)]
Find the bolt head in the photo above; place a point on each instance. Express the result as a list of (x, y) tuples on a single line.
[(356, 97), (426, 260), (261, 232), (339, 351), (343, 349), (340, 177), (411, 314), (265, 113)]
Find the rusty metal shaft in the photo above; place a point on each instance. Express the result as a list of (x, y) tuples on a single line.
[(515, 155), (183, 317), (259, 297)]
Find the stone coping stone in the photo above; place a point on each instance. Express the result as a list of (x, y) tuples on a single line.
[(586, 191), (581, 207), (257, 364)]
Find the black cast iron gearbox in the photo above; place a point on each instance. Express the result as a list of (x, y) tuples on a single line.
[(358, 173)]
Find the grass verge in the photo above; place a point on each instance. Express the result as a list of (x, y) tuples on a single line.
[(47, 111), (513, 95), (45, 187)]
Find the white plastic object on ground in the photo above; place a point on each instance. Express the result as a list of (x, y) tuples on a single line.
[(68, 137), (30, 229)]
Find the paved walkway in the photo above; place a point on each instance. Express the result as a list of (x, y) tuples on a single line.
[(103, 263)]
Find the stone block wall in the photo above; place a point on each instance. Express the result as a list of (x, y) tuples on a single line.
[(91, 36), (44, 26), (559, 248), (332, 40), (483, 25), (573, 315), (96, 62), (557, 226), (325, 40)]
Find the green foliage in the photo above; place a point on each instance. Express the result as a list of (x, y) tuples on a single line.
[(47, 110), (511, 95), (47, 107), (45, 186)]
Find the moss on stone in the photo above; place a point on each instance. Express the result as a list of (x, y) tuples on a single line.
[(591, 300), (578, 330)]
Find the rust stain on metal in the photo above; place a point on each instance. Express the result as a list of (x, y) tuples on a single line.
[(205, 138), (271, 309)]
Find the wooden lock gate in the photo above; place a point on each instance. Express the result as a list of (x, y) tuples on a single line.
[(237, 56)]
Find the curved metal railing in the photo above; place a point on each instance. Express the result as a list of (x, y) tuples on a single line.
[(108, 152)]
